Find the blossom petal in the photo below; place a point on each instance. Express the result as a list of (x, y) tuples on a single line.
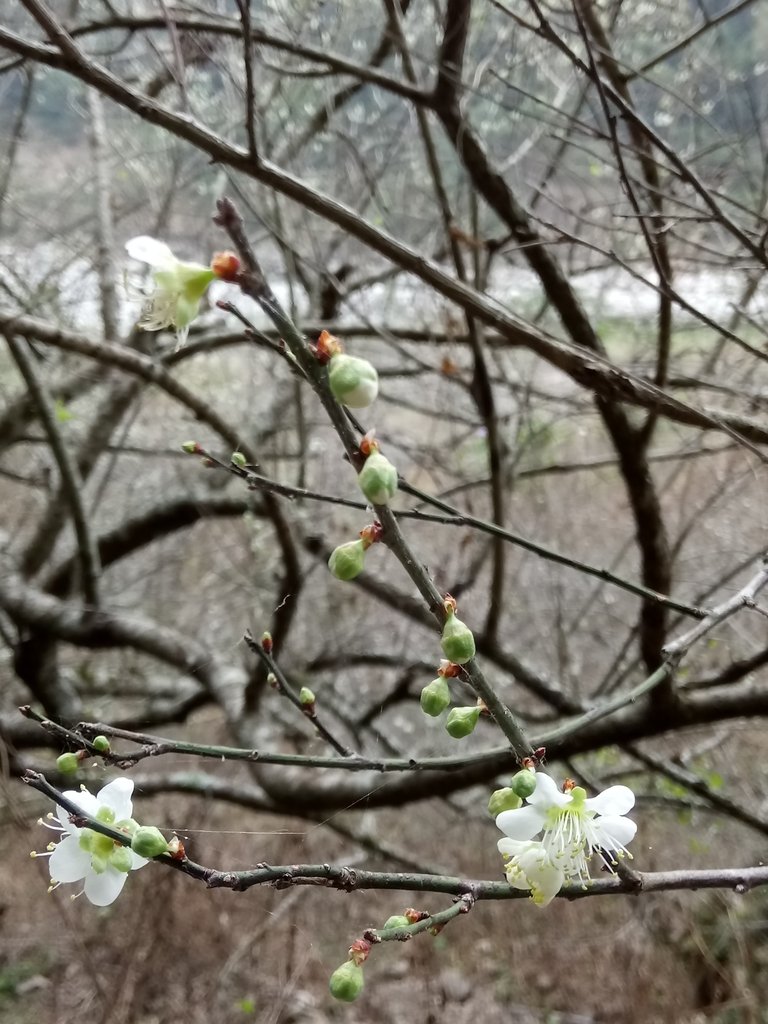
[(547, 794), (614, 800), (117, 796), (138, 862), (103, 889), (69, 862), (522, 823), (544, 877), (149, 250), (614, 832), (86, 801)]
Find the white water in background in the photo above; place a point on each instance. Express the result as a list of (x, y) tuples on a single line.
[(399, 303)]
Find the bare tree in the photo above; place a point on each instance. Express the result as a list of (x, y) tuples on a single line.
[(546, 228)]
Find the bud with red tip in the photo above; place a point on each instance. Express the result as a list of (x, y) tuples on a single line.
[(225, 266)]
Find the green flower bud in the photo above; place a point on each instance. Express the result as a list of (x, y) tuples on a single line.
[(347, 560), (148, 841), (396, 921), (238, 459), (353, 381), (435, 697), (68, 763), (190, 447), (524, 783), (306, 696), (101, 743), (457, 642), (461, 722), (378, 479), (127, 825), (503, 800), (347, 982), (121, 859)]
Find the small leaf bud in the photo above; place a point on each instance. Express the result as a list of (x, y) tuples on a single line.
[(461, 722), (68, 763), (347, 560), (238, 459), (225, 266), (101, 743), (457, 641), (306, 698), (505, 799), (524, 783), (346, 982), (435, 697), (354, 382), (266, 642), (272, 680), (191, 448), (413, 916), (149, 841)]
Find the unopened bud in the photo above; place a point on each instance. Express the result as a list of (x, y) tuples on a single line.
[(266, 642), (457, 641), (354, 382), (435, 697), (524, 783), (347, 560), (121, 859), (306, 697), (100, 743), (149, 841), (346, 982), (503, 800), (238, 459), (378, 479), (225, 265), (191, 447), (396, 921), (68, 763), (461, 722)]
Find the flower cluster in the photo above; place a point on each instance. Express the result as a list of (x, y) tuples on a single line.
[(82, 854), (572, 828)]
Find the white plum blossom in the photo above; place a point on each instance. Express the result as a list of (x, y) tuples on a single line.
[(572, 828), (85, 855), (179, 287), (529, 866)]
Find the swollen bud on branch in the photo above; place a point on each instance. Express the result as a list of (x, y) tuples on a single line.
[(101, 743), (435, 697), (307, 700), (461, 722), (348, 560), (148, 841), (68, 763), (457, 641), (347, 982), (396, 921), (378, 477), (524, 783), (354, 382), (238, 459), (505, 799)]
